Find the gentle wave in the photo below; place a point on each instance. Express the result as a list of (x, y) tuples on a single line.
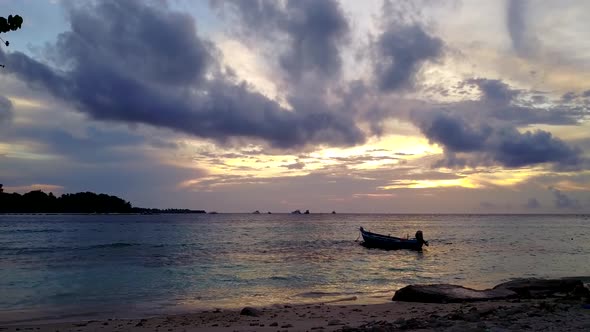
[(317, 295), (239, 260), (112, 245), (37, 250), (30, 231)]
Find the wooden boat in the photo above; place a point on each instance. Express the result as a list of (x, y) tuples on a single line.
[(374, 240)]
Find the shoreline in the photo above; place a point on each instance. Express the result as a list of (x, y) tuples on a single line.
[(523, 304), (138, 312), (533, 314)]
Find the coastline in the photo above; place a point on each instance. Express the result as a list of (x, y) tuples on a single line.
[(531, 314), (522, 304)]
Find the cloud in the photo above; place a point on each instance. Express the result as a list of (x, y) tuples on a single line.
[(315, 32), (563, 201), (532, 203), (494, 91), (501, 102), (515, 149), (138, 62), (569, 97), (454, 133), (296, 165), (484, 132), (6, 108), (400, 52), (523, 41), (489, 145)]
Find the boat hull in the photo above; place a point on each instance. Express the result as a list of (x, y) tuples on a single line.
[(374, 240)]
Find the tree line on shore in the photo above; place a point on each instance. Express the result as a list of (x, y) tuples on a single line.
[(37, 201)]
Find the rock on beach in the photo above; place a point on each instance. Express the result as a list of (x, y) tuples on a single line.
[(520, 288)]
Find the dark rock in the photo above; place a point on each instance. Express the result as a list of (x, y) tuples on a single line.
[(444, 293), (413, 324), (521, 288), (541, 288), (249, 311), (274, 324), (581, 292), (472, 317), (515, 310)]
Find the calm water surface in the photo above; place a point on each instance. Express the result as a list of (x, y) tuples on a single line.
[(61, 266)]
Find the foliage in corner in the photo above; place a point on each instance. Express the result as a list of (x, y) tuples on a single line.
[(13, 23)]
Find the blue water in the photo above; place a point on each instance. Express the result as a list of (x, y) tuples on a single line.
[(83, 265)]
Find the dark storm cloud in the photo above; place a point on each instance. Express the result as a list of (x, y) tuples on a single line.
[(484, 131), (495, 145), (455, 134), (400, 52), (494, 91), (500, 101), (126, 33), (315, 31), (563, 201), (523, 42), (138, 62), (515, 149), (6, 108), (317, 28)]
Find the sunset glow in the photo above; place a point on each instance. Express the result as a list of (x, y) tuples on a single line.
[(368, 114)]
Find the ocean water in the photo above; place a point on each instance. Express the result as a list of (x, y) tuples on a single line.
[(81, 266)]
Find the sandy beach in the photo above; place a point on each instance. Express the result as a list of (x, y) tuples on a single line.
[(556, 314)]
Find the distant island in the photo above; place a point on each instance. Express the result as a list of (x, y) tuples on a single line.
[(37, 201)]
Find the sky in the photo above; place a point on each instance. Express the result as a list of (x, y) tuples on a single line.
[(349, 106)]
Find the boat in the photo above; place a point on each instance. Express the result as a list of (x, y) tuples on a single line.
[(374, 240)]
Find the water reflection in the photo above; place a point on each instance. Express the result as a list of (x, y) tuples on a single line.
[(232, 260)]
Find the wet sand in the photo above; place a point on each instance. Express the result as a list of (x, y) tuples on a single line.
[(515, 315)]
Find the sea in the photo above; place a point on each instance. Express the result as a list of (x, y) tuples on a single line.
[(74, 267)]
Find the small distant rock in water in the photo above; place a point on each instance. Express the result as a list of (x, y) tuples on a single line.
[(256, 212), (333, 212), (249, 311), (269, 212), (296, 212), (306, 212)]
